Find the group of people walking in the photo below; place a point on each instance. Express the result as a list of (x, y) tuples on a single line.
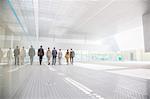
[(69, 55), (54, 55), (20, 54)]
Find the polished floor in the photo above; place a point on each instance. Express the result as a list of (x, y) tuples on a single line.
[(78, 81)]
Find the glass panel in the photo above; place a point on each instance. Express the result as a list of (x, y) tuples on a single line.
[(15, 17)]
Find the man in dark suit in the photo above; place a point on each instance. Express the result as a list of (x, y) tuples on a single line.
[(40, 54), (54, 54), (72, 55), (16, 55)]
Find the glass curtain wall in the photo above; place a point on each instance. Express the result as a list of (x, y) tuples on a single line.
[(13, 28)]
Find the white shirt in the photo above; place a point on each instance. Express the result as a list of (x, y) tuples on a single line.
[(59, 54)]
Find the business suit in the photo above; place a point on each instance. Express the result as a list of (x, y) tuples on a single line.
[(40, 54), (31, 54), (54, 54), (16, 55)]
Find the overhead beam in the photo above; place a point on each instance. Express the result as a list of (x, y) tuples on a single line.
[(36, 16)]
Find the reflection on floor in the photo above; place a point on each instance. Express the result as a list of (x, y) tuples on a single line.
[(140, 73), (97, 66), (78, 81)]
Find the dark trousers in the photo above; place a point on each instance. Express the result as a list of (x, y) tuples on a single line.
[(31, 60), (16, 60), (54, 60), (71, 60), (40, 59)]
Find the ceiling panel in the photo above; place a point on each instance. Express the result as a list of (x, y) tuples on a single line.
[(74, 19), (119, 16)]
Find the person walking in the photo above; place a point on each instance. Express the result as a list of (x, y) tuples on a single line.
[(9, 56), (67, 57), (22, 55), (1, 55), (40, 54), (16, 55), (59, 56), (72, 55), (31, 54), (54, 54), (48, 54)]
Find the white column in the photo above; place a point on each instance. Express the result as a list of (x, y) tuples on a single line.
[(146, 30)]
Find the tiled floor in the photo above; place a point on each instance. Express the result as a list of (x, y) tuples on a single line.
[(78, 81)]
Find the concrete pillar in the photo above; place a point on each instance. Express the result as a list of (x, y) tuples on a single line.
[(146, 31)]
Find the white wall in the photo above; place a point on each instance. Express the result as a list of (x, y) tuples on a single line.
[(131, 39)]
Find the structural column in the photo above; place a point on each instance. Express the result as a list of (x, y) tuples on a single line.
[(146, 31)]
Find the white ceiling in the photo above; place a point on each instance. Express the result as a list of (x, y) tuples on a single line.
[(75, 19)]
